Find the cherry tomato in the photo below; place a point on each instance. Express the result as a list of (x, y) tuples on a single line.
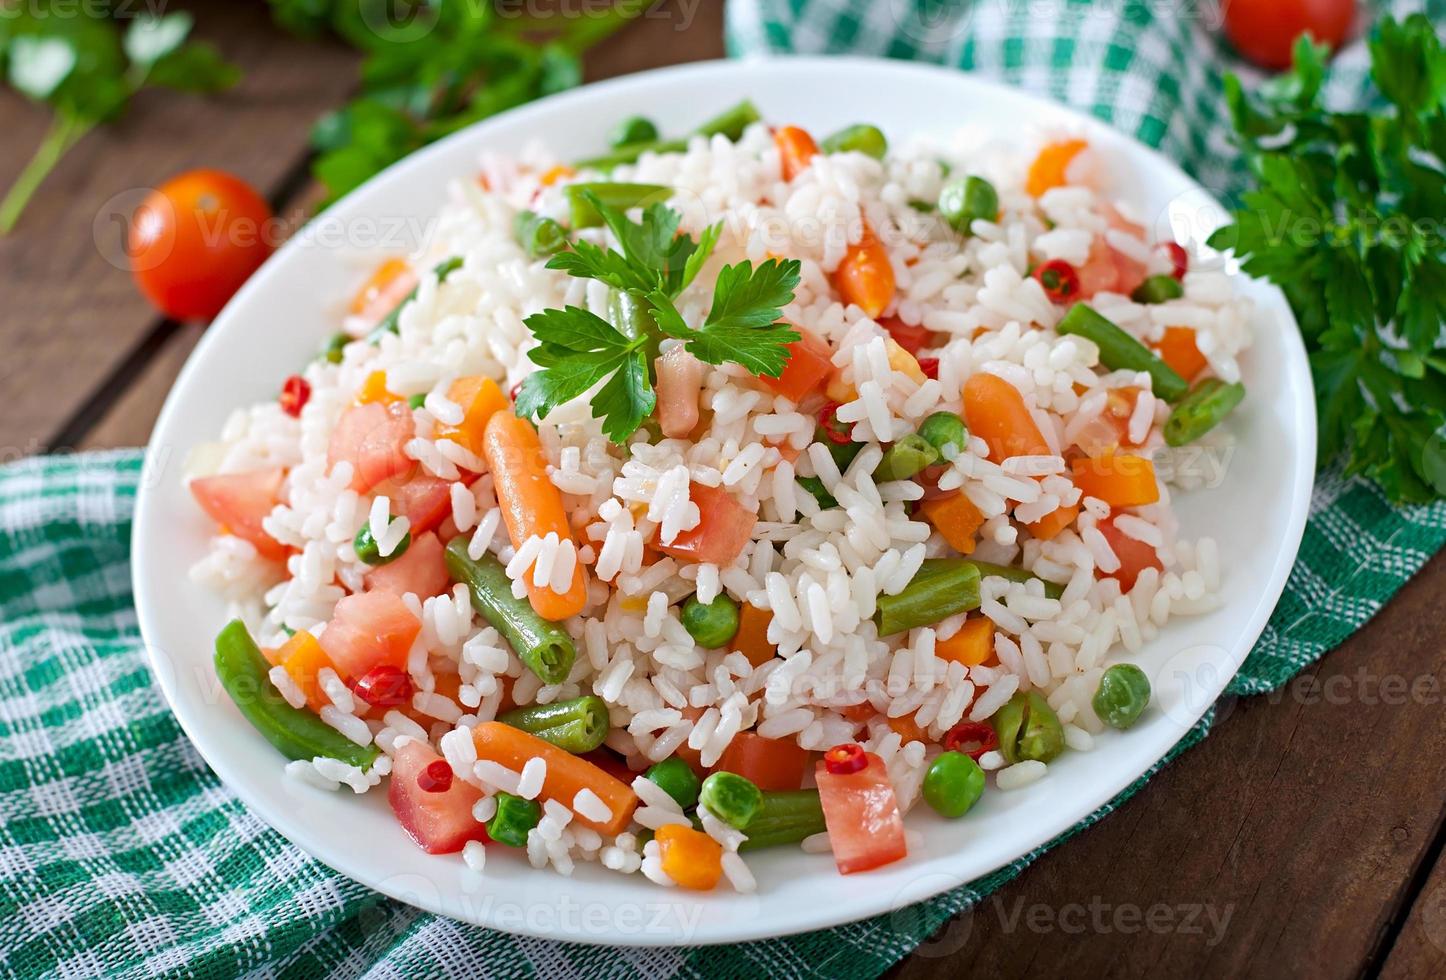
[(195, 239), (1264, 31)]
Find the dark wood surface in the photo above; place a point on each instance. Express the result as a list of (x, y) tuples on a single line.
[(1303, 838)]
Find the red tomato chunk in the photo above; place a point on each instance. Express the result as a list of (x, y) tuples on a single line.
[(239, 502), (722, 531), (862, 816), (441, 822)]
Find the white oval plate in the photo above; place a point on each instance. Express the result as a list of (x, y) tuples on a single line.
[(277, 321)]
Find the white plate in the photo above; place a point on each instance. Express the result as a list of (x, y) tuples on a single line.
[(278, 320)]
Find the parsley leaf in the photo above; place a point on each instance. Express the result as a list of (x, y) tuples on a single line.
[(743, 322)]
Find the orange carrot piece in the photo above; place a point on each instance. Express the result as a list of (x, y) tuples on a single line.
[(480, 399), (865, 277), (567, 774), (1177, 349), (751, 640), (690, 857), (995, 412), (1048, 169), (302, 657), (1049, 526), (1120, 481), (553, 174), (392, 278), (769, 763), (531, 505), (374, 389), (971, 646), (956, 518), (796, 149)]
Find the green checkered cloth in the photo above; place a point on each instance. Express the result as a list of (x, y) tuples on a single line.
[(120, 851)]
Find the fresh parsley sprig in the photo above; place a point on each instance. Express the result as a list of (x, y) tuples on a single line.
[(1349, 218), (577, 349)]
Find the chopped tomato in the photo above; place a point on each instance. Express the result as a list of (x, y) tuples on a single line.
[(240, 501), (423, 499), (722, 531), (368, 629), (861, 812), (440, 823), (809, 367), (422, 570), (371, 437), (1108, 271), (383, 290), (1135, 556), (912, 338), (771, 764), (1110, 430)]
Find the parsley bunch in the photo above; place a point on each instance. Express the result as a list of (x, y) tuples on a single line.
[(1349, 219), (577, 349), (76, 60)]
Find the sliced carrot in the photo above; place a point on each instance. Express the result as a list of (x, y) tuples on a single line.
[(1120, 481), (1177, 349), (392, 278), (531, 505), (770, 763), (567, 774), (690, 857), (480, 399), (956, 518), (1048, 527), (751, 640), (374, 389), (1048, 169), (971, 646), (796, 150), (864, 277), (995, 412), (302, 657)]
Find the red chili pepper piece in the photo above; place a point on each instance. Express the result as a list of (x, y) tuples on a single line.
[(973, 738), (844, 759), (295, 393), (837, 432), (1179, 259), (1059, 279), (436, 778), (384, 686), (930, 367), (515, 390)]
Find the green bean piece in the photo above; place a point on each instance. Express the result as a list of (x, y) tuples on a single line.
[(987, 568), (710, 624), (905, 459), (1201, 410), (1123, 695), (862, 138), (633, 129), (953, 783), (676, 778), (578, 725), (297, 733), (513, 819), (544, 647), (1121, 352), (1028, 728), (633, 316), (941, 588), (730, 123), (367, 550), (969, 198), (785, 817), (335, 345), (538, 236), (613, 194), (391, 322), (1157, 289), (416, 401), (923, 207), (946, 432), (731, 798), (814, 486)]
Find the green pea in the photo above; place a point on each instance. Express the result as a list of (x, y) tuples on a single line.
[(731, 798), (634, 129), (1157, 289), (860, 138), (946, 432), (538, 236), (962, 201), (334, 346), (513, 819), (1123, 694), (710, 624), (905, 459), (676, 778), (366, 547), (1028, 729), (953, 784)]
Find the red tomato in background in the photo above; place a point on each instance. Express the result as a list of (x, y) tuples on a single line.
[(1264, 31), (195, 239)]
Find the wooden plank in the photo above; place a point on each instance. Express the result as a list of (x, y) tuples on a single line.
[(1419, 952), (1282, 845), (71, 315)]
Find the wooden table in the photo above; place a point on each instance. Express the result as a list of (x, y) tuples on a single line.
[(1303, 838)]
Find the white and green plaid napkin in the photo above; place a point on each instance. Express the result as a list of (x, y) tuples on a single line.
[(120, 852)]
